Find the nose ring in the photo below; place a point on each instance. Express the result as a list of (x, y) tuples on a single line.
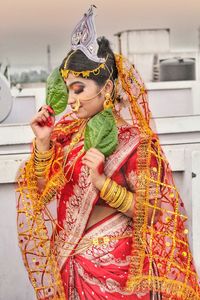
[(76, 106)]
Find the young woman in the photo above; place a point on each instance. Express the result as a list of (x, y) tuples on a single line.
[(119, 231)]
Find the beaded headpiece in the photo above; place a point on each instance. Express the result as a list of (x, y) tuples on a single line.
[(84, 36)]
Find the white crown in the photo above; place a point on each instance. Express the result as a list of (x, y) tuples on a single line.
[(84, 36)]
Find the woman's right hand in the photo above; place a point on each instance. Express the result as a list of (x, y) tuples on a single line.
[(42, 125)]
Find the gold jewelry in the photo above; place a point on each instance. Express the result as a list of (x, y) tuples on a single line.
[(126, 204), (85, 74), (117, 196), (77, 105), (104, 188), (42, 160), (108, 103), (111, 191), (118, 201)]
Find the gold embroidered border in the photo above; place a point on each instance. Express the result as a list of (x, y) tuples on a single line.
[(171, 288)]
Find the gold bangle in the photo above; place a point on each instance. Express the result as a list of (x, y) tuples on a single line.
[(115, 193), (40, 156), (111, 191), (42, 172), (126, 204), (39, 175), (41, 163), (115, 203), (105, 185), (117, 197), (44, 154), (121, 198), (39, 169)]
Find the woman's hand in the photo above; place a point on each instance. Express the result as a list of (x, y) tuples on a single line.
[(95, 161), (42, 126)]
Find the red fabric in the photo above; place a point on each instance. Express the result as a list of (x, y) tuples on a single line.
[(117, 275), (95, 278)]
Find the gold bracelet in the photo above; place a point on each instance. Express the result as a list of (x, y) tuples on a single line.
[(40, 173), (113, 202), (42, 161), (117, 197), (114, 199), (44, 154), (105, 185), (125, 206), (111, 191), (40, 169), (115, 193), (120, 199)]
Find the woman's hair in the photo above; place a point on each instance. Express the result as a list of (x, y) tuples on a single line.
[(78, 62)]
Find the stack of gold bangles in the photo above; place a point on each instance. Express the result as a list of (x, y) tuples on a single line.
[(42, 160), (116, 196)]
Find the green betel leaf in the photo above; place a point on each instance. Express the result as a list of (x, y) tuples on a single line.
[(56, 92), (101, 133)]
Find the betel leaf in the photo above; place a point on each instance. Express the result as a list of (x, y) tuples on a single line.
[(56, 92), (101, 133)]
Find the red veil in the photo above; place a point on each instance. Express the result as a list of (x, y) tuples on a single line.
[(163, 241)]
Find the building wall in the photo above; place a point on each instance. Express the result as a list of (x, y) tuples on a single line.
[(176, 111)]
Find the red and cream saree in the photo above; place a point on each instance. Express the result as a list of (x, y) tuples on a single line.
[(66, 261), (97, 267)]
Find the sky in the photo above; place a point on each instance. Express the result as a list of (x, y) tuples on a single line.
[(27, 26)]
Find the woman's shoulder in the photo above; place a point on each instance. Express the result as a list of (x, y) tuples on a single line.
[(127, 131)]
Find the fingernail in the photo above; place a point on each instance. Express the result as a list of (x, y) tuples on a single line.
[(50, 110)]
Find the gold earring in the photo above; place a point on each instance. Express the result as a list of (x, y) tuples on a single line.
[(108, 103), (77, 105)]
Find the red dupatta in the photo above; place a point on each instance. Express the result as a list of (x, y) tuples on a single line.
[(165, 242)]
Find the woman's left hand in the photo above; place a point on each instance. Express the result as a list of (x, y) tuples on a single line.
[(95, 161)]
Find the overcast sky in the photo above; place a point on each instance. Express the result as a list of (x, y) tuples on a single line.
[(27, 26)]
